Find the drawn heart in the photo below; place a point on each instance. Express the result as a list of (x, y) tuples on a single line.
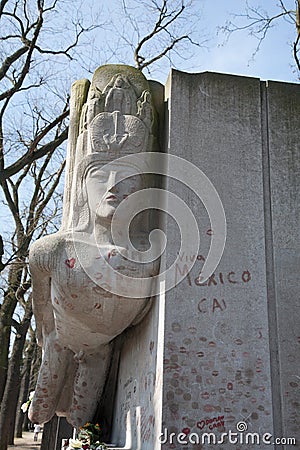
[(201, 424), (186, 431), (70, 263)]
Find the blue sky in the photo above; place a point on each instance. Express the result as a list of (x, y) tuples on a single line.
[(273, 62), (234, 55), (274, 59)]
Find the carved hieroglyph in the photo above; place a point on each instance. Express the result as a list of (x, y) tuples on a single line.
[(77, 317)]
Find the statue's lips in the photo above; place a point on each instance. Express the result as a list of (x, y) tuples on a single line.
[(111, 198)]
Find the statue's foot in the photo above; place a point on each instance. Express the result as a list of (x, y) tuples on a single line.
[(89, 382), (54, 370)]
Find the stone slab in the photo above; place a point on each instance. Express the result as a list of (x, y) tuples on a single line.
[(210, 356), (217, 363), (138, 409), (283, 105)]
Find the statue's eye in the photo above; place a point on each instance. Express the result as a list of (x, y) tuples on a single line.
[(101, 176), (97, 175)]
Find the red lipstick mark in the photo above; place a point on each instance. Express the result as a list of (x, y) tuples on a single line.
[(70, 263)]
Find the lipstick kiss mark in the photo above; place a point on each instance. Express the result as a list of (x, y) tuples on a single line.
[(70, 263)]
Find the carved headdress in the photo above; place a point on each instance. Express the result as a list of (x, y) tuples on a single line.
[(110, 117)]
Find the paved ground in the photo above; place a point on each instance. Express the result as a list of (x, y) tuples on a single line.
[(26, 442)]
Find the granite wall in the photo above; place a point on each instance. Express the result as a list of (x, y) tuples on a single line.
[(211, 357)]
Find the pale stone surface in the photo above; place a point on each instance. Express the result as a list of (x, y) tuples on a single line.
[(138, 403), (221, 340), (217, 363), (283, 105), (206, 356), (77, 312)]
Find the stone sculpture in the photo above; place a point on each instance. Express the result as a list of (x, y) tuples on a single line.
[(77, 317)]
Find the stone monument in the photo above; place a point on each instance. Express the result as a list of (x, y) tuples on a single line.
[(214, 362), (77, 271), (222, 357)]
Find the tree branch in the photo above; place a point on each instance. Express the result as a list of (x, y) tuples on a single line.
[(159, 26), (37, 189), (32, 155), (2, 5), (259, 22), (10, 92), (295, 52), (142, 65), (49, 195), (15, 212)]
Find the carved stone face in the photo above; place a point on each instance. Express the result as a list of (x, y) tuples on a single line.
[(119, 81), (107, 188)]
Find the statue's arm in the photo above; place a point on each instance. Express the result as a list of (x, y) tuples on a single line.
[(39, 263)]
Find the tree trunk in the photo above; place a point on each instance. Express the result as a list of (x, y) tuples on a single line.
[(6, 313), (24, 391), (35, 366), (12, 387)]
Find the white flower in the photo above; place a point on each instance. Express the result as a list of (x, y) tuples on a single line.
[(75, 443), (31, 395), (24, 407)]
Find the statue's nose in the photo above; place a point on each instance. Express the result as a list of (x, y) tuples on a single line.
[(112, 182)]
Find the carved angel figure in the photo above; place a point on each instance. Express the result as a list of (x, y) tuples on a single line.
[(76, 272)]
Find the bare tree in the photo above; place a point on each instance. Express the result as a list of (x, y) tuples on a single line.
[(37, 51), (31, 358), (158, 29), (167, 15), (12, 389), (258, 21), (33, 126), (18, 285)]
